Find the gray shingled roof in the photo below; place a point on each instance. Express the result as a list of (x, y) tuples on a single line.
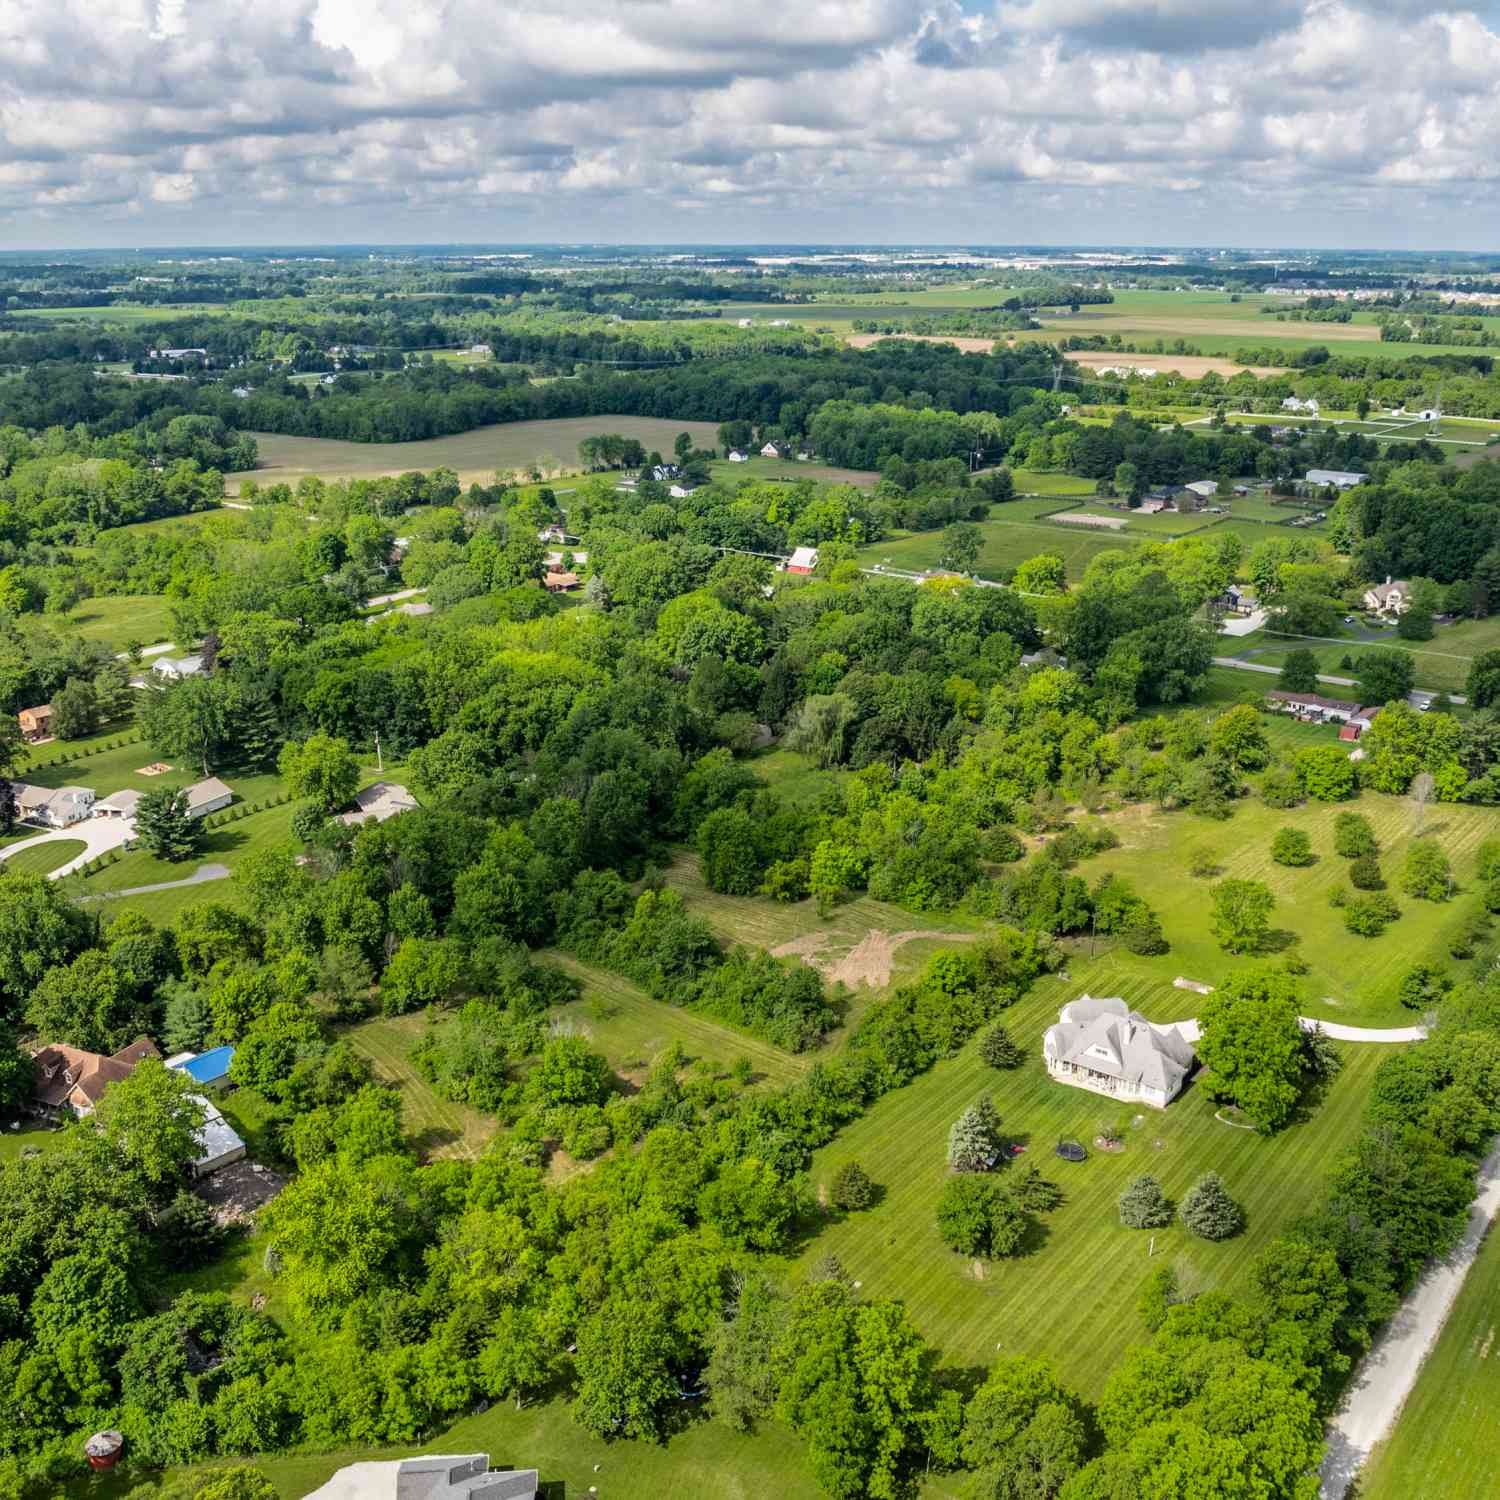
[(1105, 1035)]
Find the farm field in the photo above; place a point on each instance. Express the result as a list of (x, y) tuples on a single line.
[(1048, 482), (475, 456), (1442, 1444), (127, 313), (1071, 1297), (1158, 526), (1007, 543), (1191, 365)]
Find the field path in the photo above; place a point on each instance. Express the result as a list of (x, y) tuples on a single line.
[(1388, 1372)]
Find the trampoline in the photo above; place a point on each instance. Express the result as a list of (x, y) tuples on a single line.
[(1071, 1151)]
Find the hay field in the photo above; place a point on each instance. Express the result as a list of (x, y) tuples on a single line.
[(475, 456), (1192, 365)]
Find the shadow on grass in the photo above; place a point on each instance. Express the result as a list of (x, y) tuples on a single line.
[(1277, 940), (425, 1142)]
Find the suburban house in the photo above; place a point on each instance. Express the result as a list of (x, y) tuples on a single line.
[(737, 457), (118, 804), (1320, 710), (53, 807), (661, 473), (775, 450), (209, 1070), (1293, 403), (1104, 1046), (480, 349), (1236, 600), (177, 354), (552, 533), (1393, 597), (560, 583), (207, 796), (378, 802), (175, 668), (1045, 658), (36, 723), (682, 489), (1204, 489), (464, 1476), (802, 560), (71, 1080), (1343, 479), (218, 1141)]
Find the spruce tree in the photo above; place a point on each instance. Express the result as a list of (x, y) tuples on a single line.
[(998, 1048), (163, 825), (257, 732), (851, 1187), (1143, 1205), (1209, 1211), (974, 1140)]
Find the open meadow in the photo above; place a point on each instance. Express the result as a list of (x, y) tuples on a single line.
[(1007, 543), (475, 456)]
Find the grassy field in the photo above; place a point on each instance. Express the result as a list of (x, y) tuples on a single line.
[(127, 313), (1441, 664), (1071, 1295), (436, 1126), (1444, 1440), (1047, 482), (476, 455), (45, 857), (1007, 544), (118, 619), (782, 471)]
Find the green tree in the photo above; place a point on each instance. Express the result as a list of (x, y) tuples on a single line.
[(1483, 684), (1043, 574), (1353, 836), (75, 710), (422, 971), (1369, 916), (974, 1139), (187, 722), (1237, 735), (39, 929), (976, 1215), (1385, 675), (962, 542), (150, 1120), (741, 1378), (321, 768), (625, 1380), (1241, 914), (998, 1048), (86, 1004), (1143, 1205), (165, 827), (1023, 1435), (1291, 846), (1299, 672), (1251, 1044), (851, 1188), (1209, 1211), (728, 851), (1326, 773), (273, 1045), (1426, 873), (568, 1073)]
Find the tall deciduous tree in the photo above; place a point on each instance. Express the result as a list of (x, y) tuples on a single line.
[(1251, 1043), (322, 768), (1242, 914)]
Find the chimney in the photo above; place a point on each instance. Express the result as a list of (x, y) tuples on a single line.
[(1388, 580)]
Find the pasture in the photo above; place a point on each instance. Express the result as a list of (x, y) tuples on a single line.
[(1007, 544), (476, 456), (782, 471), (118, 619), (1443, 1443), (1071, 1294)]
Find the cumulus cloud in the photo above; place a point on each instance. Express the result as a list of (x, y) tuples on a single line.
[(1165, 120)]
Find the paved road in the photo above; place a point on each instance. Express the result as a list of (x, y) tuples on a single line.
[(99, 835), (201, 876), (1417, 697), (394, 598), (1388, 1372), (155, 650)]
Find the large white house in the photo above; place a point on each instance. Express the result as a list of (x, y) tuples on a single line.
[(457, 1476), (53, 807), (1104, 1046), (174, 668), (1393, 597)]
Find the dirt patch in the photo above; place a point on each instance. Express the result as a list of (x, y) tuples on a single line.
[(1192, 365), (968, 345), (1081, 518), (978, 1270), (237, 1191), (869, 962), (156, 768)]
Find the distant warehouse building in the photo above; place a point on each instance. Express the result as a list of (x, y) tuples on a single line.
[(1343, 479)]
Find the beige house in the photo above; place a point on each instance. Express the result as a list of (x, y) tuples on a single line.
[(53, 807), (1104, 1046), (207, 796), (1393, 597), (378, 802), (36, 723)]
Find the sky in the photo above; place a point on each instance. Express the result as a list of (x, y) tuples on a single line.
[(1320, 123)]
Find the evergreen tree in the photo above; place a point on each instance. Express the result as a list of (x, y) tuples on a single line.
[(1143, 1205), (998, 1048), (974, 1140), (1299, 672), (851, 1187), (257, 731), (1209, 1211), (163, 825)]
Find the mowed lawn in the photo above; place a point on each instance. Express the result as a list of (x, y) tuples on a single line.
[(1444, 1443), (1440, 665), (1071, 1295), (476, 455), (1351, 979), (118, 619), (1010, 537), (44, 858)]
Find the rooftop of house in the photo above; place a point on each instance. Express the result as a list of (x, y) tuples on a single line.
[(62, 1071), (441, 1477), (1106, 1036), (216, 1137), (210, 789), (382, 800)]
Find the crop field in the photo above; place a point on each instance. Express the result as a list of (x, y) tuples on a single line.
[(1444, 1439), (1191, 365), (475, 456), (437, 1127), (127, 313), (1071, 1295), (1007, 543), (118, 619)]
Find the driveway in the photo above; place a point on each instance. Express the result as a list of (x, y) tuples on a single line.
[(1383, 1036), (99, 835), (1386, 1374), (203, 875), (1417, 697)]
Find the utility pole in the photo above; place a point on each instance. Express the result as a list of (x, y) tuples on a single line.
[(379, 763)]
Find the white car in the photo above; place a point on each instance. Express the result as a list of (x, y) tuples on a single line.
[(1348, 619)]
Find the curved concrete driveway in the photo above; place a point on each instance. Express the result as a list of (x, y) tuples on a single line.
[(99, 836), (201, 876), (1191, 1031)]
